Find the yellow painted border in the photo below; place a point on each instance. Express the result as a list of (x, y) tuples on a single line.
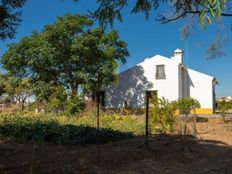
[(198, 111), (203, 111)]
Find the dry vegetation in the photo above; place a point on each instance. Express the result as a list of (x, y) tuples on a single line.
[(210, 151)]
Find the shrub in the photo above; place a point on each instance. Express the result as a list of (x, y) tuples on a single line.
[(185, 105), (223, 107), (75, 105), (161, 116)]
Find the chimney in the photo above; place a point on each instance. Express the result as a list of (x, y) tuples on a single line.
[(178, 55)]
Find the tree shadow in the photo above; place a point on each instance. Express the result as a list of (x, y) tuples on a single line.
[(59, 134), (129, 90), (164, 154)]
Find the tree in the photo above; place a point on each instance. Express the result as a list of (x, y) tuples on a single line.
[(67, 53), (49, 95), (223, 107), (18, 90), (204, 11), (185, 105), (10, 17)]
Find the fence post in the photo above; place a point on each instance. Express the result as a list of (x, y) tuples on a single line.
[(98, 115), (98, 127), (147, 96)]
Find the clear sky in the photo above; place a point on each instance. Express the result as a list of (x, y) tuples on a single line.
[(145, 38)]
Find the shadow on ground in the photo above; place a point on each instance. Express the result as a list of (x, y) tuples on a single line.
[(26, 130), (165, 154)]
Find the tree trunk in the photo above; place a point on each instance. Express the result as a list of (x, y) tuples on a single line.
[(185, 124), (74, 91), (195, 122), (22, 106)]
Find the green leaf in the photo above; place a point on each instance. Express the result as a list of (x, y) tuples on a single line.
[(208, 19), (211, 12)]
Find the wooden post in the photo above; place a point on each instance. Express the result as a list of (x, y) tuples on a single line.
[(98, 127), (98, 119), (148, 94)]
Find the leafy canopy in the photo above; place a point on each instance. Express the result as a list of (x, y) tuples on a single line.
[(69, 52), (223, 106), (204, 10), (185, 105), (16, 90)]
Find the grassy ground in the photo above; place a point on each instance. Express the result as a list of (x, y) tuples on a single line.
[(68, 129), (210, 151)]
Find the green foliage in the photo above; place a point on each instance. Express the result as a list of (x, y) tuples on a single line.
[(67, 129), (185, 105), (16, 89), (75, 105), (68, 53), (211, 9), (223, 107), (207, 10), (10, 17), (161, 115), (123, 123)]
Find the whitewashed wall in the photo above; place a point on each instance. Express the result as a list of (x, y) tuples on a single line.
[(133, 83), (201, 88)]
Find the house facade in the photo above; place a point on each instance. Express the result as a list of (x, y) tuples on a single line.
[(168, 77)]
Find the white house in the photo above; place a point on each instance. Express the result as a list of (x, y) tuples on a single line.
[(168, 77)]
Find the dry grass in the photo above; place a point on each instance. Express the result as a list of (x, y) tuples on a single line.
[(209, 152)]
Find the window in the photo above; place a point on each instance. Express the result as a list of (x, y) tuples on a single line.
[(160, 72)]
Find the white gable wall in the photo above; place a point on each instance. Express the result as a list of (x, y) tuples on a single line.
[(201, 88), (133, 83), (168, 87)]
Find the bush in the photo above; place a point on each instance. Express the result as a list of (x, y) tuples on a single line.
[(161, 116), (223, 107), (185, 105), (75, 105)]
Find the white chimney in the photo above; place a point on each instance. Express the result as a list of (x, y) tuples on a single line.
[(178, 55)]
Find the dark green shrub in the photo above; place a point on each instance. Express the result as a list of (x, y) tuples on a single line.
[(75, 105)]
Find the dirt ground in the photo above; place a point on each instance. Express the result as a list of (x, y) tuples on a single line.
[(209, 152)]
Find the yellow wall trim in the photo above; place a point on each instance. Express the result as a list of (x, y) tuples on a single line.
[(198, 111), (203, 111)]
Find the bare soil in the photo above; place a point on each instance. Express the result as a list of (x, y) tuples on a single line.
[(209, 152)]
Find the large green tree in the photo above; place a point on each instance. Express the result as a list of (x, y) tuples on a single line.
[(69, 52)]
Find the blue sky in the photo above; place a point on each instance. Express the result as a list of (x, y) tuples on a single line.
[(145, 38)]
